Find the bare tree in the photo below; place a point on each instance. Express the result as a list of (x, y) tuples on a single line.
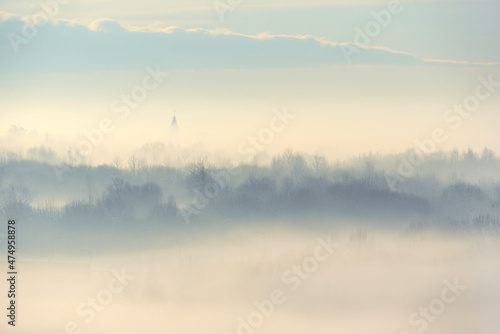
[(117, 162), (16, 199), (90, 186), (135, 164), (199, 174), (320, 165)]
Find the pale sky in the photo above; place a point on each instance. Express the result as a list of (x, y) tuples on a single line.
[(226, 76)]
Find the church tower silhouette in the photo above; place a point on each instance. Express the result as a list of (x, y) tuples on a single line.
[(174, 133)]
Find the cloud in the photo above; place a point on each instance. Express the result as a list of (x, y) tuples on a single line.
[(66, 47), (106, 25)]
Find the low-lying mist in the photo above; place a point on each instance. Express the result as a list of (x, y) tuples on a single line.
[(266, 280), (299, 245)]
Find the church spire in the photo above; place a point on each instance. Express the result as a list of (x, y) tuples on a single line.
[(174, 133)]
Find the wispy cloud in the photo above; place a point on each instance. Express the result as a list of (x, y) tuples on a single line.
[(64, 47)]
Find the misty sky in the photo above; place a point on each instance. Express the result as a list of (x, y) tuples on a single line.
[(226, 76)]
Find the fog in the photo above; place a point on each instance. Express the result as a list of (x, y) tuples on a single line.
[(458, 189), (373, 282), (298, 244)]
